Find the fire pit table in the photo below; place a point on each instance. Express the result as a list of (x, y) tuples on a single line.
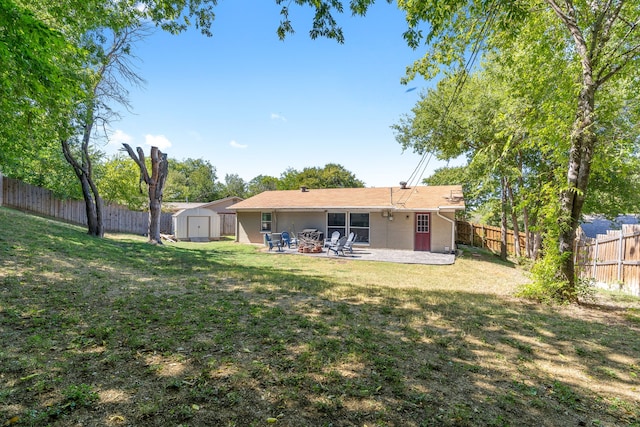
[(310, 240)]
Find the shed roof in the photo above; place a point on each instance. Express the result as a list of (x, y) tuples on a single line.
[(178, 206), (195, 211), (429, 198), (220, 205)]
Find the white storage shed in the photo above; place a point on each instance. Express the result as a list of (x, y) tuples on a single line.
[(196, 224)]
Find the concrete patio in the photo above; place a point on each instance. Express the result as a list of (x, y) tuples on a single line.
[(385, 255)]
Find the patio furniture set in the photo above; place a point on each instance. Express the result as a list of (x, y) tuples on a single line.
[(311, 241)]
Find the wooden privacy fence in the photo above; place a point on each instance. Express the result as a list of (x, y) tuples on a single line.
[(227, 224), (25, 197), (486, 236), (612, 260)]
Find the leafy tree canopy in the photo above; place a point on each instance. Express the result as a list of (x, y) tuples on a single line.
[(261, 183), (234, 186), (118, 179), (332, 175), (191, 180)]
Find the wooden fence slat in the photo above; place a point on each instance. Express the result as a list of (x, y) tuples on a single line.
[(25, 197), (613, 258), (485, 236)]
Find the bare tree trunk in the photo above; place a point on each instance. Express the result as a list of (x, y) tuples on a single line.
[(84, 172), (583, 141), (528, 244), (537, 245), (155, 185), (527, 234), (503, 219), (603, 56), (514, 221)]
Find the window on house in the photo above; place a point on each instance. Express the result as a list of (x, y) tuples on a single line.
[(336, 221), (265, 221), (422, 223), (359, 224)]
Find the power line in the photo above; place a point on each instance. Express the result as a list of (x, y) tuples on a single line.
[(420, 169)]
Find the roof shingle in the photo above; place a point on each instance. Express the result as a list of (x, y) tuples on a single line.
[(410, 198)]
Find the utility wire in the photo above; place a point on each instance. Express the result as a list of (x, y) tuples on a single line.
[(421, 167)]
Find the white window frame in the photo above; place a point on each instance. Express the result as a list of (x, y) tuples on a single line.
[(341, 228), (347, 228), (266, 225), (355, 228)]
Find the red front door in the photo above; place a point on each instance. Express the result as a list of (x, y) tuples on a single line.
[(423, 232)]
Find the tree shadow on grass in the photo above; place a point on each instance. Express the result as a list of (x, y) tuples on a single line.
[(195, 337)]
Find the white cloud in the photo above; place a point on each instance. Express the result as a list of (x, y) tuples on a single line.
[(275, 116), (119, 137), (234, 144), (159, 141)]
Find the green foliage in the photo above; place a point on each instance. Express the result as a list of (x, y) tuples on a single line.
[(80, 395), (455, 175), (459, 175), (614, 171), (46, 168), (261, 183), (549, 286), (331, 176), (39, 78), (192, 180), (234, 186), (119, 181)]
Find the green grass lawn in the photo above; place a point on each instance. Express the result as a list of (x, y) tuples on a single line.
[(117, 332)]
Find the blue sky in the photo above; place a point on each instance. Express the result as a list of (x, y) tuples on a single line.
[(254, 105)]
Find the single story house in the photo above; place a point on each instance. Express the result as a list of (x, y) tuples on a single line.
[(420, 218)]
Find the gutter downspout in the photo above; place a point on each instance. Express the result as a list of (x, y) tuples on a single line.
[(453, 230)]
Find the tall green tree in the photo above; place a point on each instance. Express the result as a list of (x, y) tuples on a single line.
[(473, 130), (601, 42), (234, 185), (108, 67), (261, 183), (117, 179), (37, 65), (332, 175), (192, 180)]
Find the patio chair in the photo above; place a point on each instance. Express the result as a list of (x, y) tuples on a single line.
[(338, 247), (273, 243), (348, 246), (333, 240), (288, 240)]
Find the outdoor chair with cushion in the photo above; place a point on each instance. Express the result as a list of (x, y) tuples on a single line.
[(338, 247)]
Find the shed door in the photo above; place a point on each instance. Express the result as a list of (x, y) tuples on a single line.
[(198, 227), (423, 232)]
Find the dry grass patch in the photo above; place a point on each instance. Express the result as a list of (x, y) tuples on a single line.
[(118, 332)]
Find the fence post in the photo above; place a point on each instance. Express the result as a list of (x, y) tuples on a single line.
[(595, 260), (620, 255)]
